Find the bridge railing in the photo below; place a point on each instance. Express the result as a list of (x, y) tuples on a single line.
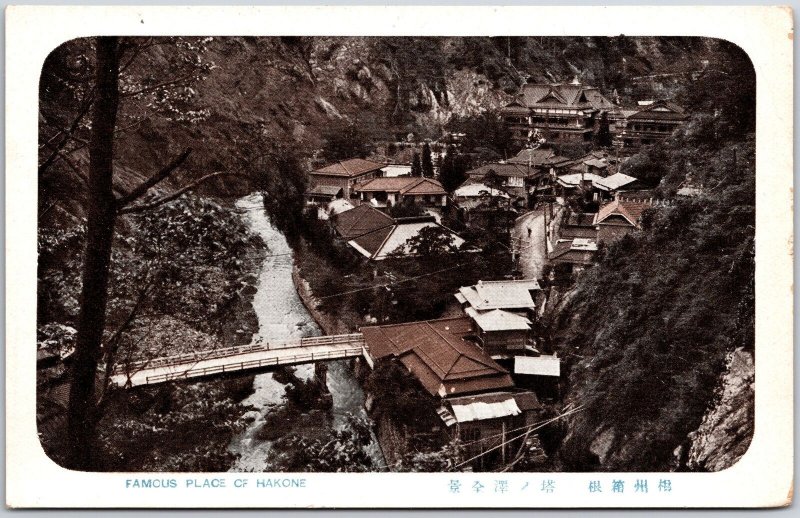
[(211, 354), (254, 364)]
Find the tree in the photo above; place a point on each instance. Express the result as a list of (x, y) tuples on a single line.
[(452, 172), (427, 161), (445, 459), (408, 208), (343, 450), (485, 130), (103, 208), (603, 136), (344, 141), (416, 166), (431, 243)]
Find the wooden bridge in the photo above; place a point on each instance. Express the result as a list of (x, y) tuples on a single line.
[(216, 362)]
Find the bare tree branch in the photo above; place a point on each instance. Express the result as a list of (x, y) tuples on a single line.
[(137, 49), (139, 191), (174, 195), (69, 134), (112, 344)]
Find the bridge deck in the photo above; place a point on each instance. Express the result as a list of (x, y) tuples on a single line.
[(239, 359)]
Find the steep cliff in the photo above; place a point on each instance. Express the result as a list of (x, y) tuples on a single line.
[(232, 98), (727, 428)]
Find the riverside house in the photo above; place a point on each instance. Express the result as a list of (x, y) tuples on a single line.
[(376, 235), (502, 312), (476, 398), (345, 175)]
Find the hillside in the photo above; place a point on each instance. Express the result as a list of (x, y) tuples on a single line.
[(659, 336), (235, 100)]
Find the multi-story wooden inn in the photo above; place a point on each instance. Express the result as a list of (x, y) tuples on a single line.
[(560, 113), (575, 113), (653, 122)]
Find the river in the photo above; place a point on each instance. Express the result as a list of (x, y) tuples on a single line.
[(281, 315)]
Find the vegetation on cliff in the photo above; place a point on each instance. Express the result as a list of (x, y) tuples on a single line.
[(179, 280), (646, 332)]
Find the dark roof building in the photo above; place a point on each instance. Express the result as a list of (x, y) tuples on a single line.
[(348, 168), (578, 224), (345, 174), (361, 220), (440, 355), (649, 124), (375, 235), (386, 192), (620, 216), (560, 113)]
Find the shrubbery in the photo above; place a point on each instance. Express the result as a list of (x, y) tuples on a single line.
[(645, 335)]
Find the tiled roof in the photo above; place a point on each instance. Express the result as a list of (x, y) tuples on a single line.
[(438, 355), (370, 244), (533, 157), (500, 170), (665, 110), (325, 190), (381, 242), (361, 220), (426, 186), (569, 252), (564, 96), (349, 168), (488, 295), (615, 181), (402, 184), (631, 210), (597, 100)]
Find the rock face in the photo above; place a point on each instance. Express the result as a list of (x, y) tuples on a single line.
[(727, 428)]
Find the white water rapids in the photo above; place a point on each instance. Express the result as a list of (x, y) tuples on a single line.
[(282, 315)]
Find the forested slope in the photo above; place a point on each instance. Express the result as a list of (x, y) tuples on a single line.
[(661, 332)]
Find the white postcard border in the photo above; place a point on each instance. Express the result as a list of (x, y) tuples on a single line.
[(763, 477)]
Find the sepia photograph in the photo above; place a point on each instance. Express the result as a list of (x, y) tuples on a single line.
[(396, 254)]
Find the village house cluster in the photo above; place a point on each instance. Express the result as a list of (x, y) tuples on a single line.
[(486, 367), (483, 368)]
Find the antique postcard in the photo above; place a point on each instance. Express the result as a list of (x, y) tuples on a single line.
[(399, 257)]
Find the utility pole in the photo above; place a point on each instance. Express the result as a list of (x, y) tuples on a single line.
[(544, 210)]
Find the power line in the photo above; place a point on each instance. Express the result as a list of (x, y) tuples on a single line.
[(506, 432), (393, 283), (534, 427)]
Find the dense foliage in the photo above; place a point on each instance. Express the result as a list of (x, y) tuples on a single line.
[(485, 134), (343, 141), (453, 169), (174, 427), (343, 450), (644, 339), (176, 286)]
